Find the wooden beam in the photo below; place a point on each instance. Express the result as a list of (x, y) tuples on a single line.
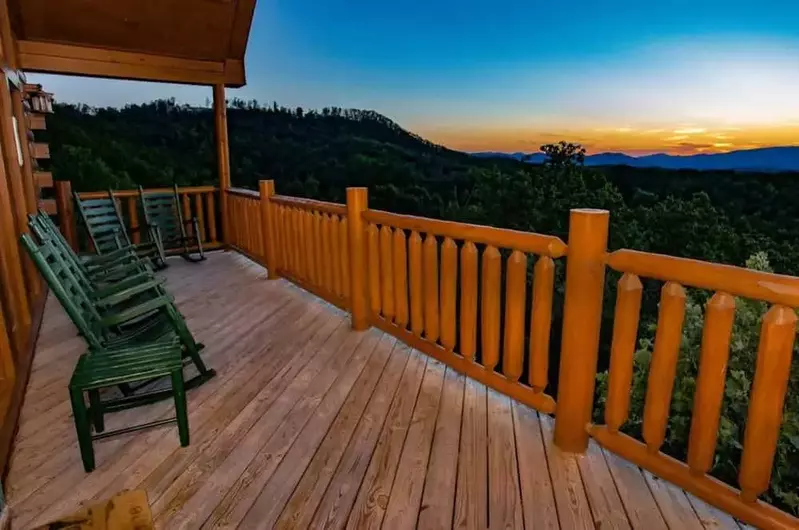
[(37, 122), (44, 179), (222, 155), (41, 151), (54, 58), (49, 206)]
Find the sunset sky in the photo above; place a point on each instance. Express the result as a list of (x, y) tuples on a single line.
[(616, 75)]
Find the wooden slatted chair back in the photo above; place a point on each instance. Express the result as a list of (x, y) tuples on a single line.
[(66, 289), (162, 209), (103, 222)]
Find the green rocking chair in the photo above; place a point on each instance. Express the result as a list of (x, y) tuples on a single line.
[(107, 232), (107, 366), (164, 217)]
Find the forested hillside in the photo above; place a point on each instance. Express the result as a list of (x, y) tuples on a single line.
[(719, 216)]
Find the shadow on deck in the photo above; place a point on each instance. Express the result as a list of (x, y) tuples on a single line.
[(311, 425)]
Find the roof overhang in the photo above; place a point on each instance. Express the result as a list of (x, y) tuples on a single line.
[(177, 41)]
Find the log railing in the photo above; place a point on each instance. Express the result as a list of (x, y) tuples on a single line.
[(767, 397), (460, 293), (244, 222), (195, 201)]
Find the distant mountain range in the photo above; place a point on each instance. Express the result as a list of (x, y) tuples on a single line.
[(769, 159)]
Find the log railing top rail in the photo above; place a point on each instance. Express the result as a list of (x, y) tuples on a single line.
[(540, 244), (738, 281), (332, 208), (135, 193), (243, 192)]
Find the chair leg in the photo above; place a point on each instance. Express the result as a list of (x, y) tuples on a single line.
[(96, 410), (181, 410), (82, 428)]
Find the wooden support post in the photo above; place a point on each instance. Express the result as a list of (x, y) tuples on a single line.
[(357, 203), (222, 156), (31, 190), (266, 189), (66, 212), (582, 315)]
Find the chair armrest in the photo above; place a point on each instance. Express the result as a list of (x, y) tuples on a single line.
[(116, 287), (126, 294), (135, 312), (115, 271)]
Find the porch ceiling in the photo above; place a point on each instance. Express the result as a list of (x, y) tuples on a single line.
[(201, 41)]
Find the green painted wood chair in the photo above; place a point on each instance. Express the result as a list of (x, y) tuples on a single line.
[(105, 365), (111, 305), (162, 213), (106, 228)]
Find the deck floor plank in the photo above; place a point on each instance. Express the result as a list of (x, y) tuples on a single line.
[(311, 425)]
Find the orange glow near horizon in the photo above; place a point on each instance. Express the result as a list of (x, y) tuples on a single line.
[(675, 140)]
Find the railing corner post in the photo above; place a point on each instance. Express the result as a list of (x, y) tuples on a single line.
[(66, 211), (357, 204), (266, 189), (582, 317)]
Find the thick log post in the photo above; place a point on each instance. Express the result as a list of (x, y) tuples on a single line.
[(357, 203), (582, 314)]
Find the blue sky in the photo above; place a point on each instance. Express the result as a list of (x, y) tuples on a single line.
[(615, 75)]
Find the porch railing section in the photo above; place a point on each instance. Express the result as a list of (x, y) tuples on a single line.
[(195, 201), (481, 300)]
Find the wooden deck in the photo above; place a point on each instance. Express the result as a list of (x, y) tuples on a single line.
[(311, 425)]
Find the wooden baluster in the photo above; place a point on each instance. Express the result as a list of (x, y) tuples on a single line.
[(386, 273), (766, 400), (357, 204), (709, 393), (310, 248), (625, 334), (198, 208), (449, 288), (248, 226), (430, 282), (663, 366), (289, 241), (318, 236), (327, 248), (335, 255), (133, 219), (211, 214), (417, 283), (184, 200), (490, 307), (233, 232), (515, 300), (299, 263), (400, 256), (302, 246), (285, 231), (373, 248), (541, 322), (280, 253), (252, 227), (343, 239), (468, 323)]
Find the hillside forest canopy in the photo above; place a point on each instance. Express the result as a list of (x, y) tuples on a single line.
[(721, 216)]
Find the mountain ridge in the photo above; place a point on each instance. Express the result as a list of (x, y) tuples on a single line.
[(783, 158)]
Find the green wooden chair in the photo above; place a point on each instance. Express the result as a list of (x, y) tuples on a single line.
[(110, 303), (163, 215), (106, 229), (105, 366)]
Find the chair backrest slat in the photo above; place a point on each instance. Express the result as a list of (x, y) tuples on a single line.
[(103, 222)]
